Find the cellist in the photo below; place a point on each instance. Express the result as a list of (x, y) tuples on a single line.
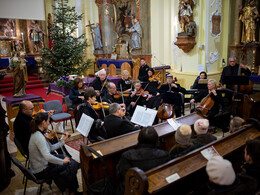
[(215, 96)]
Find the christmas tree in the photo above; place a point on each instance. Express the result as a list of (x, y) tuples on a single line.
[(66, 56)]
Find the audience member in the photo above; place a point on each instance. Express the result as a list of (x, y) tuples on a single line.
[(145, 156), (44, 164), (114, 123), (202, 136), (224, 180), (196, 85), (235, 123), (182, 142)]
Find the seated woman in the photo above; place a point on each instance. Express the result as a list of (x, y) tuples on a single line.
[(196, 85), (202, 136), (97, 131), (76, 97), (125, 83), (235, 123), (44, 164), (215, 96), (154, 82), (145, 156), (252, 160), (182, 142)]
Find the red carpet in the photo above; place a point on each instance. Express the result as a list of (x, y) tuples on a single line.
[(76, 143)]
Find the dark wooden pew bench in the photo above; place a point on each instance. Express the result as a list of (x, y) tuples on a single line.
[(190, 167)]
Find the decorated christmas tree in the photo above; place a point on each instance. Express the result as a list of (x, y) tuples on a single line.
[(66, 56)]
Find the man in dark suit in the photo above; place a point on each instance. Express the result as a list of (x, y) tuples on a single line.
[(114, 123), (143, 71)]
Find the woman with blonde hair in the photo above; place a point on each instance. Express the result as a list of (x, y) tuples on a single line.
[(125, 83)]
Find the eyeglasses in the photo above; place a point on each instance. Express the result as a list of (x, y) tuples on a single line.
[(231, 61)]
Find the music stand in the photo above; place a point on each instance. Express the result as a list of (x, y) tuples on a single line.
[(202, 84), (236, 80)]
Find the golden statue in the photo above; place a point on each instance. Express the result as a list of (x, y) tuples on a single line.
[(248, 15), (18, 66), (185, 14)]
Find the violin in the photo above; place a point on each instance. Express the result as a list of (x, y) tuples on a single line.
[(154, 79), (119, 94), (142, 93), (205, 105), (99, 105), (50, 134)]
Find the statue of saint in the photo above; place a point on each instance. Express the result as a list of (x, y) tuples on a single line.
[(97, 36), (248, 15), (36, 35), (136, 34), (18, 66), (185, 13)]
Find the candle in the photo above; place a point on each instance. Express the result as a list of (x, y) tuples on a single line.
[(22, 37), (12, 32)]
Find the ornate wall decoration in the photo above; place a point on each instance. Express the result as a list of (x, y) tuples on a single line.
[(216, 19), (213, 57)]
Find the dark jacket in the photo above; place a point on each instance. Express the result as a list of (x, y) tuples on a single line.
[(116, 126), (22, 130), (166, 87), (196, 84), (243, 185), (87, 109), (125, 84), (203, 139), (143, 73), (97, 84), (252, 170), (233, 71), (181, 150), (74, 94)]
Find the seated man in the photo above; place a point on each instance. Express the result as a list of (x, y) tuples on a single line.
[(145, 156), (100, 83), (114, 123)]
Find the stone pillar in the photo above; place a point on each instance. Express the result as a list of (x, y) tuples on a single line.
[(237, 24)]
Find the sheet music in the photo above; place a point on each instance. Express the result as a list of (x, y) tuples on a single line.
[(143, 116), (174, 123), (85, 124), (209, 152)]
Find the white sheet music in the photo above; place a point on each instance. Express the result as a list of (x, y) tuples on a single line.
[(143, 116), (173, 123), (85, 124)]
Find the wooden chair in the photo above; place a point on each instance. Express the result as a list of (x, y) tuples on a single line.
[(126, 66), (112, 70), (136, 72), (103, 66)]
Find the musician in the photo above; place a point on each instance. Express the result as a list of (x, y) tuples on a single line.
[(45, 165), (232, 70), (115, 124), (125, 83), (143, 71), (216, 97), (170, 94), (145, 156), (100, 82), (87, 108), (77, 97), (154, 82), (196, 85)]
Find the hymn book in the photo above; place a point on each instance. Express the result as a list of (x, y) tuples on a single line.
[(143, 116)]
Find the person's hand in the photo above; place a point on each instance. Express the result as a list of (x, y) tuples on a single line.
[(50, 113), (214, 92), (149, 96), (133, 93), (192, 101), (243, 66), (98, 92), (157, 93), (132, 104), (81, 97), (66, 160), (66, 135), (174, 85)]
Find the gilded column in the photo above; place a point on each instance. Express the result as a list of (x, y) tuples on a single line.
[(237, 23)]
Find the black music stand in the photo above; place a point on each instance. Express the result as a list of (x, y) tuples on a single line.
[(236, 80)]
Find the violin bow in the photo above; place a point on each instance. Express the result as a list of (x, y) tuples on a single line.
[(140, 95), (122, 94), (102, 106), (64, 154), (104, 83)]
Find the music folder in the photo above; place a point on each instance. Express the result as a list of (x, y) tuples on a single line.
[(236, 80)]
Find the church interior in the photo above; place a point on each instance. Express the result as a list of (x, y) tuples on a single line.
[(130, 97)]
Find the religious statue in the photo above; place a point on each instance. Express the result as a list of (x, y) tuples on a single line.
[(36, 35), (20, 77), (136, 34), (186, 14), (248, 15), (97, 36)]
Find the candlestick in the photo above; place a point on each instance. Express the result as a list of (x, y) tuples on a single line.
[(22, 37), (12, 32)]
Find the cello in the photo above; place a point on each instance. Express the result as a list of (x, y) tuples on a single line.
[(205, 105)]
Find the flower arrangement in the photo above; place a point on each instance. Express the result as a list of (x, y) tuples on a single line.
[(64, 81)]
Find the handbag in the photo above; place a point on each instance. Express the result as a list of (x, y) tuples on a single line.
[(103, 186)]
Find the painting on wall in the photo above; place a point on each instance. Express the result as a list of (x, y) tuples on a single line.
[(7, 28)]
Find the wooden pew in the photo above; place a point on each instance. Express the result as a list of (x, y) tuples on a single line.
[(113, 148), (190, 167)]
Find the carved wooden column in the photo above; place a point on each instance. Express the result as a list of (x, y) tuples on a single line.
[(237, 24)]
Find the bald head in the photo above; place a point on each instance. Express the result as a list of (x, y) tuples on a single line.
[(26, 107)]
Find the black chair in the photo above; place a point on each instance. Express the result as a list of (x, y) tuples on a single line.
[(26, 156), (29, 175)]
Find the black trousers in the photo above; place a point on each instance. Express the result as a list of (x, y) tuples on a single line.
[(64, 176)]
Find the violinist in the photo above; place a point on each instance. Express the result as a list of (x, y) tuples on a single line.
[(154, 82), (216, 97), (171, 94), (115, 124), (45, 164), (100, 83), (76, 97), (97, 129), (125, 83)]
